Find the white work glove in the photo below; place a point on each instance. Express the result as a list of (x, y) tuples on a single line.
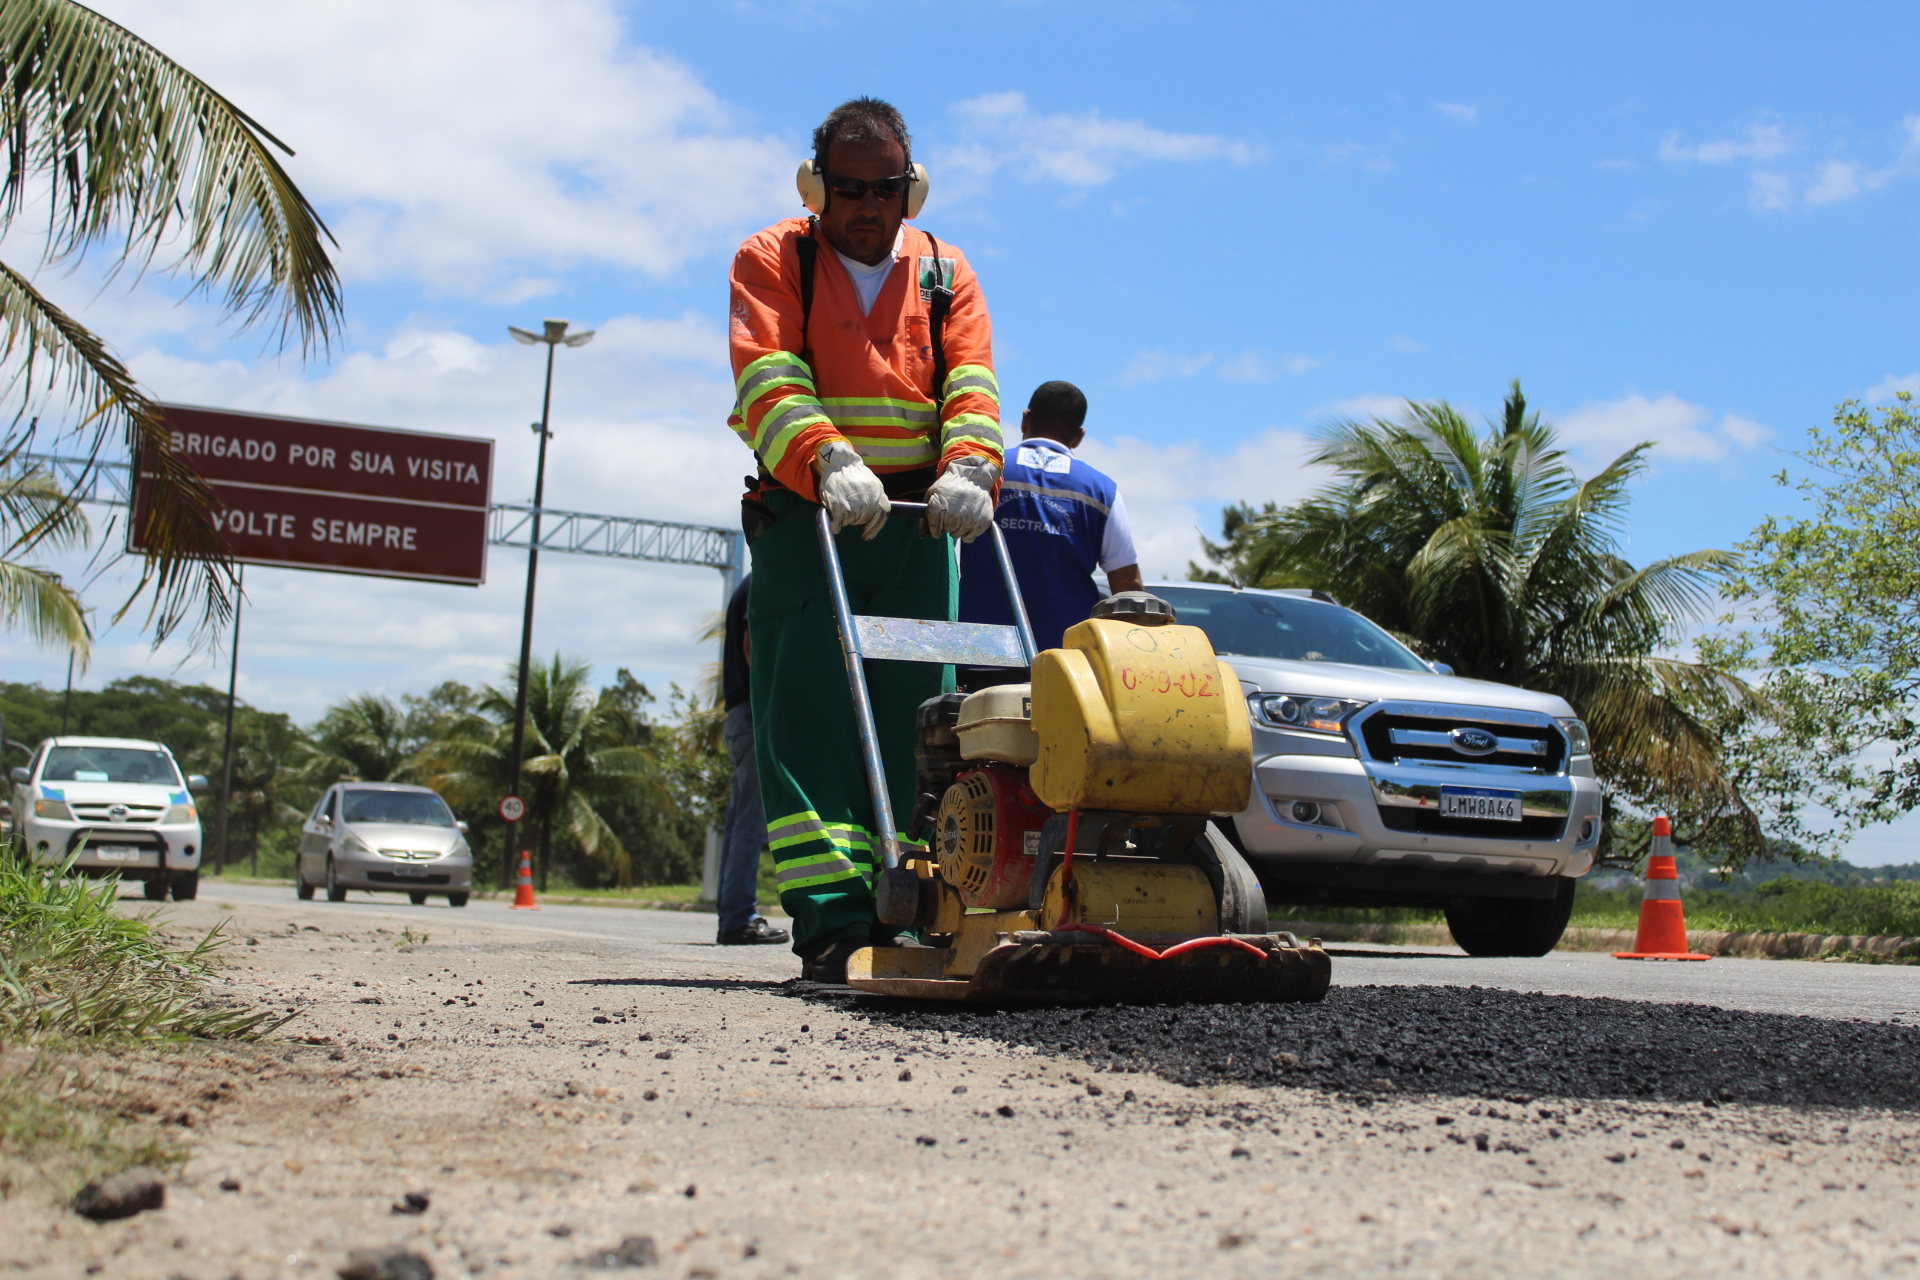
[(850, 491), (961, 500)]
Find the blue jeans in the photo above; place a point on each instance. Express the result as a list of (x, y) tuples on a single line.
[(746, 830)]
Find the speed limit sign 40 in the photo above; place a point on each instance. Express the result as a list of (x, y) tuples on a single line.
[(512, 808)]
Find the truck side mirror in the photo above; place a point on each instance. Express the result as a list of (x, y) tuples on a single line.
[(462, 826), (196, 782), (20, 775), (1440, 668)]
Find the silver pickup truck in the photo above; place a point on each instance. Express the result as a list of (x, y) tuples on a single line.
[(1382, 780)]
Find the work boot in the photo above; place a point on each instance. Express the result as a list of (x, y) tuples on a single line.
[(752, 933), (828, 962)]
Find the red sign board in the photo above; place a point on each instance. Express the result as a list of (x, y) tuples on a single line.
[(327, 495)]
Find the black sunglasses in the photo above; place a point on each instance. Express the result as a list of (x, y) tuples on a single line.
[(857, 188)]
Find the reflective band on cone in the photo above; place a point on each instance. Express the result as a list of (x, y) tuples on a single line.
[(1663, 922), (523, 896)]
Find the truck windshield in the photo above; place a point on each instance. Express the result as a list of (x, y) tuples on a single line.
[(1256, 625), (110, 764), (418, 808)]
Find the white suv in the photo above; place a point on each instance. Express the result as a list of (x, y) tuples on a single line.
[(1382, 780), (117, 806)]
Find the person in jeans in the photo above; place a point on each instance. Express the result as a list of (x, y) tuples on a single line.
[(741, 923)]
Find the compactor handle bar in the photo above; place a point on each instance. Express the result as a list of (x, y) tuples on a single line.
[(914, 640)]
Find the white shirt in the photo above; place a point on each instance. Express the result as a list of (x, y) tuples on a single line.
[(867, 280)]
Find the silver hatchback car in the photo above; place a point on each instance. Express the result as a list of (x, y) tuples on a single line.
[(385, 836)]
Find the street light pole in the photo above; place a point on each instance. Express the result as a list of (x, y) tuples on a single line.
[(554, 334)]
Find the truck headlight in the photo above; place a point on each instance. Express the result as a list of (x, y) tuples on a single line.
[(1579, 741), (1299, 711), (55, 809), (179, 814)]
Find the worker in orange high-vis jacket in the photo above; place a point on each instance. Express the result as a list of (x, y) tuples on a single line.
[(863, 367)]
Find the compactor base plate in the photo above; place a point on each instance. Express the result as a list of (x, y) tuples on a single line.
[(1096, 971)]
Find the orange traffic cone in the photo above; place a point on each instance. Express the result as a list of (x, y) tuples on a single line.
[(523, 896), (1663, 922)]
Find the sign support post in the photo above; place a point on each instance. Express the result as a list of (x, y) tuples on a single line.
[(226, 750)]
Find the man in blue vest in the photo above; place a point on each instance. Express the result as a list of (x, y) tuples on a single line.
[(1062, 519)]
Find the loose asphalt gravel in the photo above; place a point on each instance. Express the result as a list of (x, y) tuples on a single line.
[(1469, 1042)]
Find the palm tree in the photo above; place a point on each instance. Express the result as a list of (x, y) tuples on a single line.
[(36, 514), (1488, 553), (132, 152), (363, 738), (581, 750)]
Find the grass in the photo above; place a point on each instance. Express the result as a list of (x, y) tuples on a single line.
[(77, 976)]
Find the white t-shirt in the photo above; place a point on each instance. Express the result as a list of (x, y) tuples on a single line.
[(867, 280)]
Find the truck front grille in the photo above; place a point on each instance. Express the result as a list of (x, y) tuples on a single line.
[(1399, 735), (90, 811)]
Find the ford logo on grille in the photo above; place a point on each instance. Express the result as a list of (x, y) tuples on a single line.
[(117, 814), (1469, 741)]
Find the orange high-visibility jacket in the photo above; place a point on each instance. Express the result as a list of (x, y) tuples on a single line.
[(866, 379)]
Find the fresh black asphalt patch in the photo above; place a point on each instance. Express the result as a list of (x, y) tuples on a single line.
[(1462, 1041)]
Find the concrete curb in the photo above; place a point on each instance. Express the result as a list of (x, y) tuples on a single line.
[(1713, 942)]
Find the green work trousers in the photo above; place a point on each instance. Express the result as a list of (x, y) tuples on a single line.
[(812, 776)]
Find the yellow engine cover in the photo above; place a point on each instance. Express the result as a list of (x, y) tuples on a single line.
[(1140, 719), (1153, 897)]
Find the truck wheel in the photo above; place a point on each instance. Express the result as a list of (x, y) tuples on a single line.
[(1512, 926), (156, 889), (456, 899), (334, 892), (186, 886), (417, 899), (301, 889)]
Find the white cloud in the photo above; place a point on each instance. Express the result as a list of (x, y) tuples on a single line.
[(1883, 391), (1761, 142), (480, 145), (1368, 406), (1464, 112), (1175, 492), (1372, 159), (1002, 131), (1778, 188), (1679, 430), (1252, 366), (1154, 366)]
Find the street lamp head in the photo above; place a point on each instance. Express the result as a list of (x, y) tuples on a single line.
[(580, 339), (521, 335), (556, 331)]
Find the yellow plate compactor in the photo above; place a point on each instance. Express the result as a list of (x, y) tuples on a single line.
[(1068, 853)]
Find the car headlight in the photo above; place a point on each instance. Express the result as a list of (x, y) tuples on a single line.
[(356, 845), (55, 809), (1299, 711), (1579, 741), (178, 814)]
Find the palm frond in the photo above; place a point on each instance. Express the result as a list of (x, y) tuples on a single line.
[(184, 556), (133, 146), (39, 601)]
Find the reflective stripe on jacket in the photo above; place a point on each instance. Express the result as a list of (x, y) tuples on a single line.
[(869, 379)]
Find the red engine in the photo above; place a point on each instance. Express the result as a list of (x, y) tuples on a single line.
[(987, 835)]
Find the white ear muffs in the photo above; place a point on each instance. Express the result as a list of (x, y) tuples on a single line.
[(813, 189)]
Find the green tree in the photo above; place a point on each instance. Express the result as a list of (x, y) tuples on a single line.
[(1488, 553), (1837, 596), (112, 146), (363, 738), (580, 753)]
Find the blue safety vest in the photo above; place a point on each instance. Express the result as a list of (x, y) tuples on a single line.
[(1053, 513)]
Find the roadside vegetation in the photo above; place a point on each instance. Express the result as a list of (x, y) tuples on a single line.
[(81, 983), (619, 794)]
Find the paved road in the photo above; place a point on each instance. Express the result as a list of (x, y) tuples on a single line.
[(1828, 990)]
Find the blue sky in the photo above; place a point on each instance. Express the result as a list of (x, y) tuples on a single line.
[(1228, 223)]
